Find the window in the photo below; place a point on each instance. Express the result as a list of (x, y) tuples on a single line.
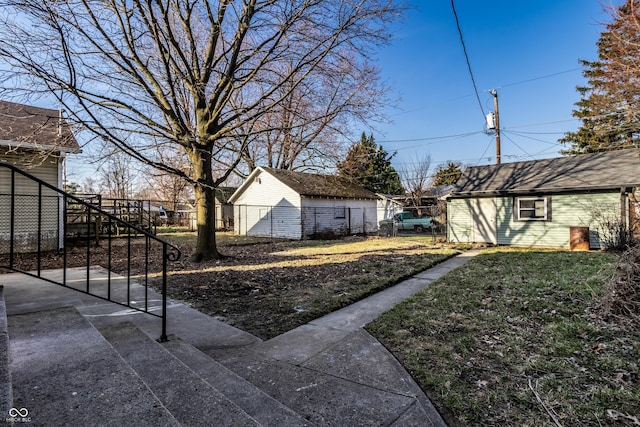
[(340, 212), (532, 209)]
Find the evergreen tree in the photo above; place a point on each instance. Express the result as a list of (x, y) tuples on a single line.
[(370, 166), (609, 107), (447, 174)]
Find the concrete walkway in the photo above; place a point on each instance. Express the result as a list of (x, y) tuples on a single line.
[(330, 371), (302, 343)]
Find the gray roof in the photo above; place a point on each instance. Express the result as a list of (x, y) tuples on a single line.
[(224, 193), (34, 125), (587, 172), (313, 185)]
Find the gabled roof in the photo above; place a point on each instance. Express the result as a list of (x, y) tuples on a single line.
[(224, 193), (35, 127), (315, 185), (599, 171), (311, 185)]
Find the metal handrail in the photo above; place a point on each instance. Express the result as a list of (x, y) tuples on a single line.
[(169, 251)]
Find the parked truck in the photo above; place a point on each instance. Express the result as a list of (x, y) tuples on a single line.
[(405, 221)]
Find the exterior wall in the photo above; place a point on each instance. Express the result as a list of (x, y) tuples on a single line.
[(32, 214), (459, 224), (567, 210), (268, 208), (338, 217), (386, 208), (224, 215), (472, 220)]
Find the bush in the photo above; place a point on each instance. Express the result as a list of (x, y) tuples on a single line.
[(621, 301), (613, 230)]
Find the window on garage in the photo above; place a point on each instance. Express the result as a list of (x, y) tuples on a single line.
[(532, 209)]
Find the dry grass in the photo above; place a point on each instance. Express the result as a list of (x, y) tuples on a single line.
[(271, 287), (512, 338), (266, 286), (621, 301)]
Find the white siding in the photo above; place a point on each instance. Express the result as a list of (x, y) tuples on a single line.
[(268, 208), (338, 216), (386, 208)]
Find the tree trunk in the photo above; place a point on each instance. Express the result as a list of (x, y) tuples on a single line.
[(204, 190)]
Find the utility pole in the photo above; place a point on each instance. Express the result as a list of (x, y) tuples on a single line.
[(495, 106)]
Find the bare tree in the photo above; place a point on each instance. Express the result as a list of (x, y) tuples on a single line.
[(310, 127), (416, 179), (199, 75), (117, 177), (169, 187)]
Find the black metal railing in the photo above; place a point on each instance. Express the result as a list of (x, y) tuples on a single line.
[(60, 238)]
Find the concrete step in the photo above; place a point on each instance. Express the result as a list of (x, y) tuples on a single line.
[(189, 398), (65, 373), (262, 407), (6, 394), (353, 382)]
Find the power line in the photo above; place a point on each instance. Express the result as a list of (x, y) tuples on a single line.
[(433, 138), (541, 77), (466, 56), (497, 87), (483, 153), (521, 149), (524, 135), (540, 124)]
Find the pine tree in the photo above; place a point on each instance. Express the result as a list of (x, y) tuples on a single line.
[(609, 107), (447, 174), (370, 166)]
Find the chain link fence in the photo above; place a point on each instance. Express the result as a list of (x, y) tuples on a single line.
[(33, 220), (313, 222)]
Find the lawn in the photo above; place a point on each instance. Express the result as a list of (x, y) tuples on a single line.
[(263, 286), (268, 287), (514, 338)]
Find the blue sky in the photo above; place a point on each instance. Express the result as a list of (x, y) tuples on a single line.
[(528, 51)]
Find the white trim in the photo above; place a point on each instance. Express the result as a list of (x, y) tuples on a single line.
[(528, 198)]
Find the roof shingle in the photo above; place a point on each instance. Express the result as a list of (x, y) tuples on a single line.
[(599, 171), (312, 185), (34, 125)]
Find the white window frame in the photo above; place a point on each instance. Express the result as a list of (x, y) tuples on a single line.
[(339, 212), (518, 209)]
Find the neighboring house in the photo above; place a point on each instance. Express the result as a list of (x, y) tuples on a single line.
[(294, 205), (387, 207), (224, 209), (432, 203), (37, 141), (544, 202)]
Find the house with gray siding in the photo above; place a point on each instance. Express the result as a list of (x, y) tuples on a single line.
[(36, 140), (295, 205), (546, 202)]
